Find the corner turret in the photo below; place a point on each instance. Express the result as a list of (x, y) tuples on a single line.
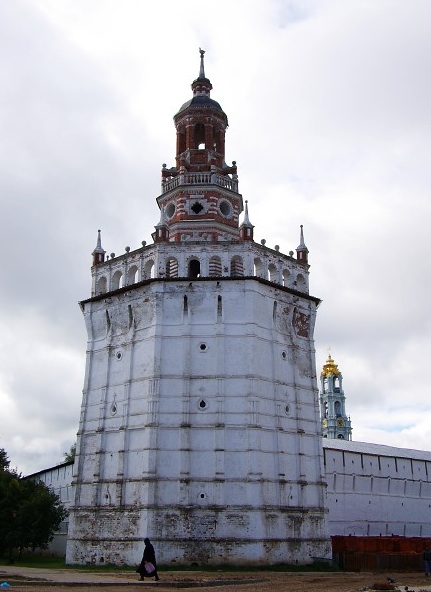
[(98, 253), (246, 228), (162, 233), (301, 250)]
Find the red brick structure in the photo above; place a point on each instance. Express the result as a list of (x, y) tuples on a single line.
[(355, 553)]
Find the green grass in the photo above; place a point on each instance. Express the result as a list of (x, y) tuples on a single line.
[(53, 562), (43, 561)]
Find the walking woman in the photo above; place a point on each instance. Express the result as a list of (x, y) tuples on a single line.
[(148, 566)]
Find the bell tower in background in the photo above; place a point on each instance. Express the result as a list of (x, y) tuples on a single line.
[(335, 422)]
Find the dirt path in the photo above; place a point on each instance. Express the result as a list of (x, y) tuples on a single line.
[(83, 581)]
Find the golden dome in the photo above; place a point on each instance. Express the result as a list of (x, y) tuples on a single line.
[(330, 368)]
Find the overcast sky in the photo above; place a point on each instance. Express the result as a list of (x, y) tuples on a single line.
[(329, 107)]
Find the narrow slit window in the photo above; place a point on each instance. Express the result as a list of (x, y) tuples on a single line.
[(219, 307)]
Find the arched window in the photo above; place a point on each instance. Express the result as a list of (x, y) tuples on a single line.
[(181, 141), (258, 267), (149, 270), (171, 267), (337, 408), (336, 384), (194, 268), (215, 267), (199, 136), (236, 266), (301, 285), (101, 286), (116, 280), (272, 273), (286, 277), (132, 275)]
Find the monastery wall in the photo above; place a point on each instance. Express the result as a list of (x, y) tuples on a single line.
[(377, 490), (59, 480), (373, 490)]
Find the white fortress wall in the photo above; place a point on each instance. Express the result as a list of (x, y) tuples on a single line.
[(372, 490), (377, 490)]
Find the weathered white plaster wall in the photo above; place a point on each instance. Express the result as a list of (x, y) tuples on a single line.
[(372, 490), (377, 490), (200, 423)]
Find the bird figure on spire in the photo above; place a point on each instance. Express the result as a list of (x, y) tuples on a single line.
[(202, 69)]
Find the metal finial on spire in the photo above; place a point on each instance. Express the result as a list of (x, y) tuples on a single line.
[(99, 248), (202, 68), (301, 250), (301, 241), (246, 219), (302, 246)]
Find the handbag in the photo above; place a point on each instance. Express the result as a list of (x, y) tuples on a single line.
[(149, 567)]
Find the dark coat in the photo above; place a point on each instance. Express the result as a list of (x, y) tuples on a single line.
[(149, 555)]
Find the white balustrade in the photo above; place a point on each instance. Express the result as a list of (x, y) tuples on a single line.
[(201, 179)]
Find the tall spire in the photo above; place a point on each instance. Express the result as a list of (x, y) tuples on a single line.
[(202, 68), (301, 250), (98, 253), (301, 240), (246, 220), (202, 85)]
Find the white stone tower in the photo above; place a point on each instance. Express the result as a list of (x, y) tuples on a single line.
[(200, 421), (335, 422)]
